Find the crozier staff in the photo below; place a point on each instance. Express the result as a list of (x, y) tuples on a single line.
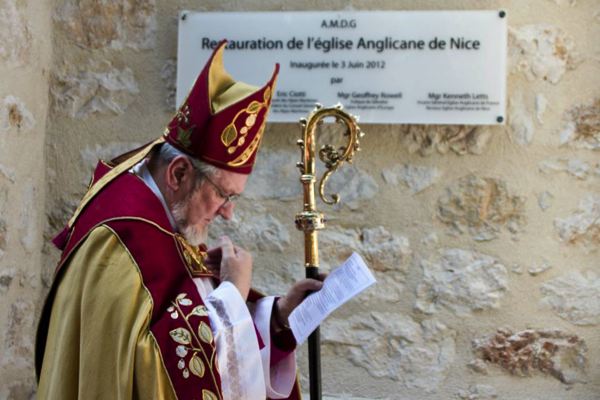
[(139, 308)]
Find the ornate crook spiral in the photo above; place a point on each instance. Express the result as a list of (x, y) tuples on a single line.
[(331, 157)]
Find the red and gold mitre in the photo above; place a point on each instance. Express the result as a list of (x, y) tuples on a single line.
[(222, 121)]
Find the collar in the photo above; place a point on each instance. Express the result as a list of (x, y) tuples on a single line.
[(194, 256), (142, 171)]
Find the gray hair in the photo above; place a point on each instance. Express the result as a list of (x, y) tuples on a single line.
[(168, 153)]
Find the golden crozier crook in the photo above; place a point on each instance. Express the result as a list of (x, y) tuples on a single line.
[(310, 220)]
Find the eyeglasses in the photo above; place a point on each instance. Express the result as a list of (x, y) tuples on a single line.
[(229, 198)]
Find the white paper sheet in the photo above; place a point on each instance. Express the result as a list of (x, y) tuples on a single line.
[(342, 284)]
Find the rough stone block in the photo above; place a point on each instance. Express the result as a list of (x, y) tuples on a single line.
[(553, 352), (431, 240), (462, 281), (168, 74), (478, 365), (15, 38), (19, 336), (275, 176), (417, 178), (58, 215), (277, 281), (19, 390), (7, 276), (275, 166), (583, 226), (385, 252), (92, 154), (541, 103), (461, 139), (516, 269), (94, 88), (481, 206), (252, 230), (541, 52), (574, 167), (109, 24), (520, 120), (15, 115), (354, 186), (574, 297), (539, 268), (387, 255), (545, 200), (7, 173), (3, 224), (3, 237), (582, 129), (29, 229), (478, 392), (394, 346), (570, 3)]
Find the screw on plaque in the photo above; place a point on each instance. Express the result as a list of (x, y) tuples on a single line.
[(502, 14)]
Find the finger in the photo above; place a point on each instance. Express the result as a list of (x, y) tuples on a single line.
[(241, 252), (214, 255), (227, 247), (323, 276), (214, 252), (213, 258), (212, 265), (238, 250), (308, 285)]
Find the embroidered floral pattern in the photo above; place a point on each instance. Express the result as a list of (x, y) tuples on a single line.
[(193, 359), (184, 135), (246, 154), (208, 395), (183, 114), (230, 137)]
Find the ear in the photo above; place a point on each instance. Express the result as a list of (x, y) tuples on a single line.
[(179, 174)]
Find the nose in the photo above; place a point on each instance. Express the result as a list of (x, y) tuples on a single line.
[(226, 211)]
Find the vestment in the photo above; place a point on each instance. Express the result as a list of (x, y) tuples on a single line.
[(125, 318)]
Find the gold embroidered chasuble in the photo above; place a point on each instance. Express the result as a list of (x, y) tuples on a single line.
[(99, 346), (118, 323)]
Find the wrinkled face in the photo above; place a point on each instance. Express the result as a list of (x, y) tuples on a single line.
[(201, 205)]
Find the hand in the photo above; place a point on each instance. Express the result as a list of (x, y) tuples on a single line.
[(213, 260), (297, 293), (236, 266)]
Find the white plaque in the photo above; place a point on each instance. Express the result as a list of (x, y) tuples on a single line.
[(410, 67)]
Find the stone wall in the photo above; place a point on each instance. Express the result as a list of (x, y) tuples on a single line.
[(25, 64), (484, 239)]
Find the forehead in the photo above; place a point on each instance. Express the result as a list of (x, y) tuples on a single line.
[(232, 182)]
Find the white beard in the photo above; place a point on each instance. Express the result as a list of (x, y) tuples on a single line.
[(193, 234)]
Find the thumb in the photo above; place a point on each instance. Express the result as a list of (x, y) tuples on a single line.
[(227, 247), (311, 285)]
